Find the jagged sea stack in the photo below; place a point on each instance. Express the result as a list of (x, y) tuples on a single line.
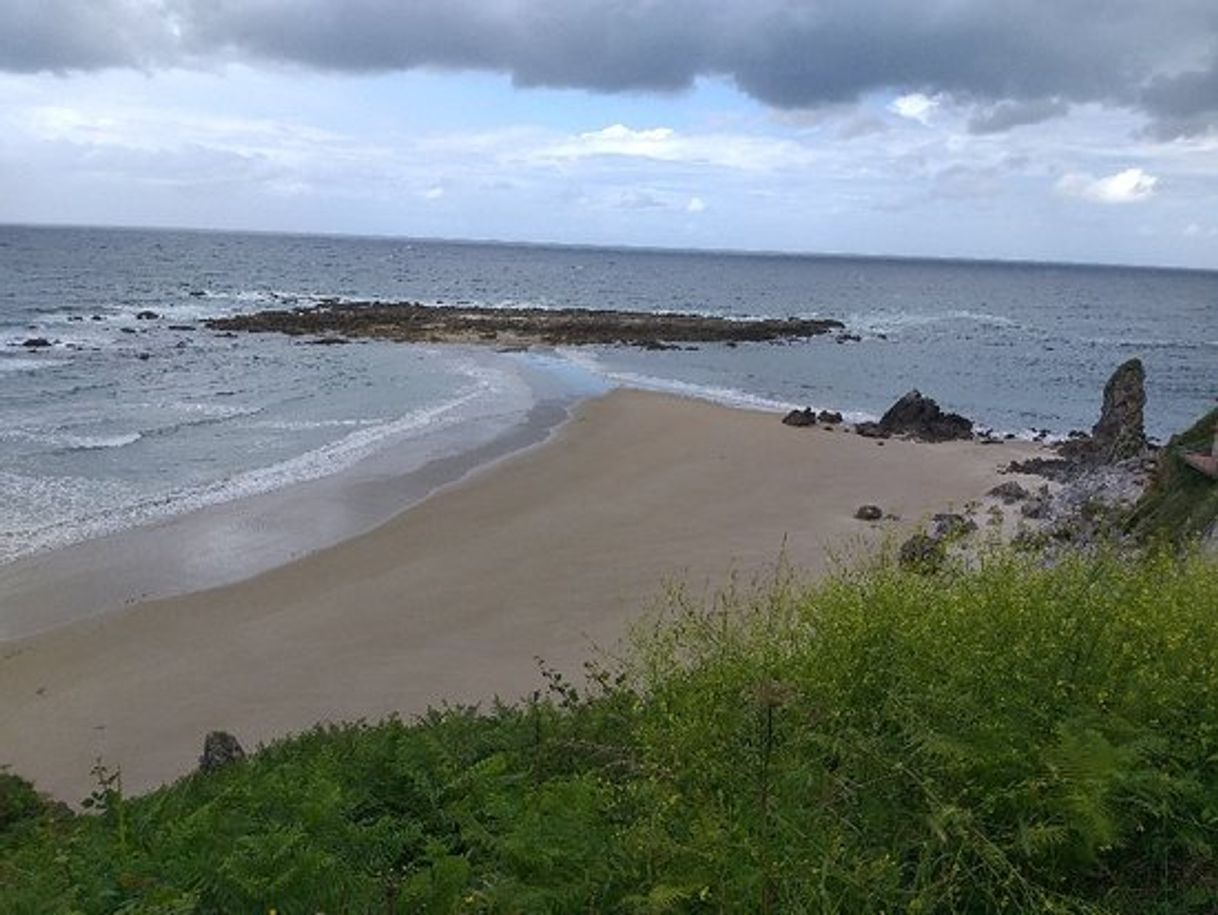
[(1120, 432)]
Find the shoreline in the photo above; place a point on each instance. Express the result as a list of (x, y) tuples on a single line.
[(542, 553), (232, 541)]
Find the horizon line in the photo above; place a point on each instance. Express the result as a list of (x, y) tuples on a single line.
[(602, 246)]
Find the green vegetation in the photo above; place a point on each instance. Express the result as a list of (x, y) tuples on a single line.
[(1010, 738), (1180, 503)]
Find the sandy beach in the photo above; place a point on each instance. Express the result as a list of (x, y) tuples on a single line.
[(545, 554)]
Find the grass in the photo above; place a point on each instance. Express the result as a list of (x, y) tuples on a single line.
[(1180, 503), (1005, 739)]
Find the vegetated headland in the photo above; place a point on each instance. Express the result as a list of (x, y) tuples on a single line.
[(413, 322)]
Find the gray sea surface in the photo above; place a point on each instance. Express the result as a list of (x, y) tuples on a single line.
[(125, 419)]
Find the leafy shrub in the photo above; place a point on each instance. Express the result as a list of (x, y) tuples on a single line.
[(1010, 738)]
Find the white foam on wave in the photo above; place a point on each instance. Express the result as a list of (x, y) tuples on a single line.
[(19, 364), (886, 322), (51, 512), (66, 441), (240, 301), (209, 411), (1149, 342), (304, 425), (729, 397), (96, 442)]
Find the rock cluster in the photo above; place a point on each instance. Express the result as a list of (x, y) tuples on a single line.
[(914, 415), (809, 417), (921, 418)]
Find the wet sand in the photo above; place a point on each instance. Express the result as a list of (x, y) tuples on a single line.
[(544, 554)]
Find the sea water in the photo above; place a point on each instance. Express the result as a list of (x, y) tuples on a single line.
[(127, 419)]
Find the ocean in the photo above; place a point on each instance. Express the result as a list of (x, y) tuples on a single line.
[(126, 419)]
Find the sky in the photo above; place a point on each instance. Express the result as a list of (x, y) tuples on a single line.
[(1075, 130)]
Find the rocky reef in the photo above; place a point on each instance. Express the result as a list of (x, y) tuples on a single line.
[(412, 322)]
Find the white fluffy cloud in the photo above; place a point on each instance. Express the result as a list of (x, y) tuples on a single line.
[(663, 144), (1129, 186), (914, 107)]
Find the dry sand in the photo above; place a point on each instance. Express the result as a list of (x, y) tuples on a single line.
[(543, 554)]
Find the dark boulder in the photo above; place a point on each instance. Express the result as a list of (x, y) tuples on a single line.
[(921, 418), (869, 513), (948, 526), (803, 417), (220, 749), (147, 316), (36, 343), (870, 430), (1009, 492), (922, 553), (829, 417)]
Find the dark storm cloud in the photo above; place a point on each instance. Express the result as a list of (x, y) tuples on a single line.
[(1017, 61), (1008, 114), (64, 35), (1184, 103)]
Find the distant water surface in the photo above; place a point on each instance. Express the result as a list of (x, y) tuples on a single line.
[(124, 420)]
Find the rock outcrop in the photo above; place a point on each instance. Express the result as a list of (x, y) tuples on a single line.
[(921, 418), (1120, 432), (220, 749), (415, 322), (1009, 492)]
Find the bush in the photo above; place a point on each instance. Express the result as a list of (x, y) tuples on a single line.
[(1010, 738)]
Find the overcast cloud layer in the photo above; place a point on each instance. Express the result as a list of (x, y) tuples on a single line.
[(1016, 62)]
